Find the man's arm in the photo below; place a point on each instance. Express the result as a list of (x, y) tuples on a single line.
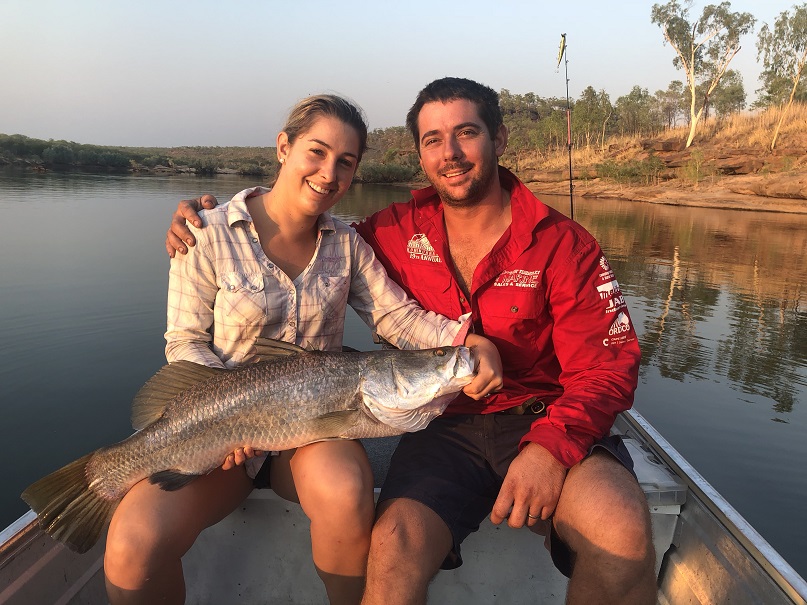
[(179, 235)]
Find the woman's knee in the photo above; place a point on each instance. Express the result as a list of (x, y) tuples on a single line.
[(342, 484)]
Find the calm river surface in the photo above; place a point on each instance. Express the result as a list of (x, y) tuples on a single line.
[(718, 298)]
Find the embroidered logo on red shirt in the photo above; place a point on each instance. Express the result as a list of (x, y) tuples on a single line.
[(518, 278), (420, 248)]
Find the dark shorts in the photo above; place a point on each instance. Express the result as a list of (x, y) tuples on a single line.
[(455, 466)]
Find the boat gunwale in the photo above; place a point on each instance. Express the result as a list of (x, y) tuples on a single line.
[(760, 550)]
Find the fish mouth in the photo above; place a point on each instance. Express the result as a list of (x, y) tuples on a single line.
[(465, 363)]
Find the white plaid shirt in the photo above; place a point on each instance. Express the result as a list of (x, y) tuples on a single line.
[(226, 292)]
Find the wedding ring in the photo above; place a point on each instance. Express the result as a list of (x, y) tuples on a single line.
[(532, 516)]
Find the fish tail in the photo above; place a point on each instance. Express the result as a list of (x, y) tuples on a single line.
[(67, 509)]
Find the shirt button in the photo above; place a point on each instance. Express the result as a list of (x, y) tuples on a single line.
[(462, 299), (231, 288), (255, 239), (271, 266), (514, 309)]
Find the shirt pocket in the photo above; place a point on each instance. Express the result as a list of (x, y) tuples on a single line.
[(330, 288), (516, 319), (242, 297), (431, 288)]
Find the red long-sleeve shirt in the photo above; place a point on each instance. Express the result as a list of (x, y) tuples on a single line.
[(545, 295)]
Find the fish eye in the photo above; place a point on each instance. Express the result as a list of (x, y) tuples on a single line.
[(440, 352)]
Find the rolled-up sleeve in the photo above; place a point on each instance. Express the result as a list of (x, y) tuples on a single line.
[(192, 290), (384, 306)]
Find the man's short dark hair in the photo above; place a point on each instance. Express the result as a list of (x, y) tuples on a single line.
[(453, 89)]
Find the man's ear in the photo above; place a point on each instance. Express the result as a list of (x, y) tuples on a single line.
[(500, 140)]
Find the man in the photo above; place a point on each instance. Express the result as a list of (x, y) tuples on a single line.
[(538, 452)]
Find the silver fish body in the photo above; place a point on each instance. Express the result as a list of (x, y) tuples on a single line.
[(191, 417)]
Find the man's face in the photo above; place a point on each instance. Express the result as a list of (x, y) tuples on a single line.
[(457, 153)]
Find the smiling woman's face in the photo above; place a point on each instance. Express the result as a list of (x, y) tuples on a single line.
[(320, 163)]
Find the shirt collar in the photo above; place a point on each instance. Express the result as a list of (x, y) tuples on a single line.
[(237, 209), (527, 210)]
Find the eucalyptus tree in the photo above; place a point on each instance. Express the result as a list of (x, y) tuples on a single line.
[(703, 47), (729, 96), (783, 51), (636, 113), (592, 112), (671, 103)]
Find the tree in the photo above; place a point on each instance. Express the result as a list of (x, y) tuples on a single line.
[(671, 103), (635, 113), (729, 96), (704, 48), (784, 53), (591, 114)]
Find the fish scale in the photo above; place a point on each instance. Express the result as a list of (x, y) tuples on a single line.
[(191, 417)]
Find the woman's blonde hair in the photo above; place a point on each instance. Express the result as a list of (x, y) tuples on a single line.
[(307, 111)]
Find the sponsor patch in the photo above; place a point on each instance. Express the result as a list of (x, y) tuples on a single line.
[(619, 331), (420, 248), (607, 274), (518, 278)]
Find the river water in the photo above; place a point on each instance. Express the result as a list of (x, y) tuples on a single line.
[(717, 296)]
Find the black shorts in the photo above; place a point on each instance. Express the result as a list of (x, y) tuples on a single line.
[(456, 467)]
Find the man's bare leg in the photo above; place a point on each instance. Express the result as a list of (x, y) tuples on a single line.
[(408, 545), (603, 516)]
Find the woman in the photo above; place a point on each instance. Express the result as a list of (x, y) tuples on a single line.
[(274, 263)]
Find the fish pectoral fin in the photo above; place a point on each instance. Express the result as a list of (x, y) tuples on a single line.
[(334, 424), (169, 381), (269, 349), (171, 481)]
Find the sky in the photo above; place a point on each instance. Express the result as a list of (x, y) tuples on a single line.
[(216, 73)]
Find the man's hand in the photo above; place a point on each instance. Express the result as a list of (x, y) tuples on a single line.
[(531, 488), (488, 369), (239, 456), (179, 235)]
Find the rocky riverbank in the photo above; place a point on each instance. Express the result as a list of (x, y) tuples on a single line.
[(769, 192), (730, 177)]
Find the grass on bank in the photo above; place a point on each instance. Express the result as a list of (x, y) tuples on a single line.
[(391, 155), (626, 159)]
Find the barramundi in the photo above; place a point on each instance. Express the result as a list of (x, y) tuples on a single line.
[(189, 417)]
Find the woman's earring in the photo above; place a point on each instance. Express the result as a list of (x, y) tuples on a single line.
[(282, 160)]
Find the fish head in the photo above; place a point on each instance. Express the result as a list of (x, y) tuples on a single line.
[(407, 389)]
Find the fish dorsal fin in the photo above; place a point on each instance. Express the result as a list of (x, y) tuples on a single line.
[(167, 383), (269, 349)]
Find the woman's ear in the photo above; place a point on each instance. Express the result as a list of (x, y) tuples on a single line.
[(283, 147)]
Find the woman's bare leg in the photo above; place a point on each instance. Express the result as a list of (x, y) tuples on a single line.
[(333, 482), (152, 529)]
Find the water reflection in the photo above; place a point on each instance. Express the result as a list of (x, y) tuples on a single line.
[(720, 293), (717, 298)]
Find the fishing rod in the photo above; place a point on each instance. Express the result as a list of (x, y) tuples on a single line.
[(561, 55)]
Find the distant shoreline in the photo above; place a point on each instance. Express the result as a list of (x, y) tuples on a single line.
[(761, 193), (775, 192)]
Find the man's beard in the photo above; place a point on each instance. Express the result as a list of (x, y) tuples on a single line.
[(475, 191)]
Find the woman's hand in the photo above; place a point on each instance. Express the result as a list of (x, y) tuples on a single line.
[(239, 456), (179, 237), (488, 377)]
